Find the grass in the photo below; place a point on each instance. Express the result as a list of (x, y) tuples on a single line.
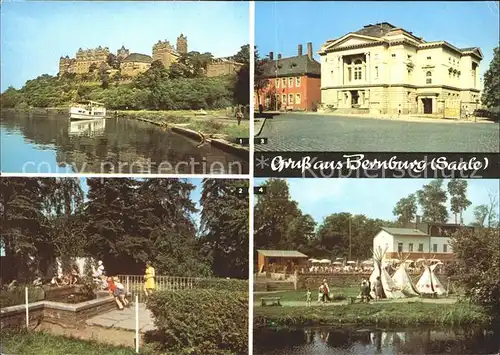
[(336, 292), (216, 122), (28, 343), (388, 314)]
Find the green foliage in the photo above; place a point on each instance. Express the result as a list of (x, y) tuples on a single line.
[(478, 266), (223, 284), (17, 296), (432, 198), (224, 227), (406, 209), (41, 343), (183, 86), (279, 224), (388, 314), (457, 188), (491, 91), (128, 222), (200, 321)]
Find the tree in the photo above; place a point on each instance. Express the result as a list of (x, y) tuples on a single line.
[(260, 78), (242, 84), (406, 209), (274, 212), (457, 189), (432, 199), (332, 236), (491, 91), (224, 227), (113, 61), (128, 222), (478, 265), (243, 55), (486, 214)]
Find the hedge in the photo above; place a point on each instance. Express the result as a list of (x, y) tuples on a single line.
[(200, 321), (223, 284)]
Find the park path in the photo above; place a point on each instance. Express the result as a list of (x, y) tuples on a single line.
[(125, 319)]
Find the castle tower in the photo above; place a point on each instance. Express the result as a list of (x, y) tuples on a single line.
[(182, 44), (122, 53), (164, 52)]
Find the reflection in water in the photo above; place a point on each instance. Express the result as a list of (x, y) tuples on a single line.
[(342, 341), (53, 144), (87, 128)]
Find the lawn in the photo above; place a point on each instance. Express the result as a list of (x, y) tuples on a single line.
[(339, 293), (29, 343), (380, 314)]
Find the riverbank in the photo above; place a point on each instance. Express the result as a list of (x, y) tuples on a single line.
[(213, 127), (380, 314), (212, 124)]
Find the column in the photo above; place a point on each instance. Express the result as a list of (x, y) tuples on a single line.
[(368, 63), (341, 70)]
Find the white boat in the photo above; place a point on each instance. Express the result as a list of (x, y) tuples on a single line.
[(87, 110), (87, 128)]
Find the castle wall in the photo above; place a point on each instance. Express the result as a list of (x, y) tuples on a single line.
[(133, 69), (224, 68)]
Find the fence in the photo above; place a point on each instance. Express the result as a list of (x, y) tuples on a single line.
[(134, 284)]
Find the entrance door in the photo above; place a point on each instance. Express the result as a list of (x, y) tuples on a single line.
[(427, 106), (354, 97)]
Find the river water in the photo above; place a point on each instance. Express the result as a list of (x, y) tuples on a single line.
[(33, 143), (344, 341)]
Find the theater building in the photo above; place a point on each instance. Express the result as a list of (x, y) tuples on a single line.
[(385, 69), (293, 83)]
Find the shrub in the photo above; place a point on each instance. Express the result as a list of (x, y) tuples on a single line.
[(233, 285), (202, 321), (17, 296), (478, 266)]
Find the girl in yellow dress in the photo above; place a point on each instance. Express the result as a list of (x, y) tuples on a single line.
[(149, 279)]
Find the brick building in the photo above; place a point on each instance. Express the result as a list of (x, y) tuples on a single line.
[(293, 83)]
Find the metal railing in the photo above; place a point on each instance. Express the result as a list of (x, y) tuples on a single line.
[(134, 284)]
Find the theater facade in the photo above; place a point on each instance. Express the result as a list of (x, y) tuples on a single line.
[(383, 69)]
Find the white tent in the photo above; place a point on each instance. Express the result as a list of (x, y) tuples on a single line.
[(429, 283), (337, 263), (351, 262), (404, 282), (325, 261), (313, 260), (390, 289)]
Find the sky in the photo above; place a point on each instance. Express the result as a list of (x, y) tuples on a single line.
[(281, 26), (375, 198), (34, 35)]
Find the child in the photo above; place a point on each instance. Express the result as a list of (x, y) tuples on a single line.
[(320, 293), (120, 291), (308, 298), (113, 292)]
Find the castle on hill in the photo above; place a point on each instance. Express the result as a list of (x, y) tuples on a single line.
[(132, 64)]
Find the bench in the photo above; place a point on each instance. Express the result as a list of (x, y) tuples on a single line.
[(270, 301)]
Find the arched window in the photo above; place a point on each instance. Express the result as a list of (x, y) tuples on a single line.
[(428, 77), (358, 69)]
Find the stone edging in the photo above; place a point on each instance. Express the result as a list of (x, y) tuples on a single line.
[(72, 307), (219, 143)]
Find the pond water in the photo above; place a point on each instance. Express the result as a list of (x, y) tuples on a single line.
[(34, 143), (344, 341)]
